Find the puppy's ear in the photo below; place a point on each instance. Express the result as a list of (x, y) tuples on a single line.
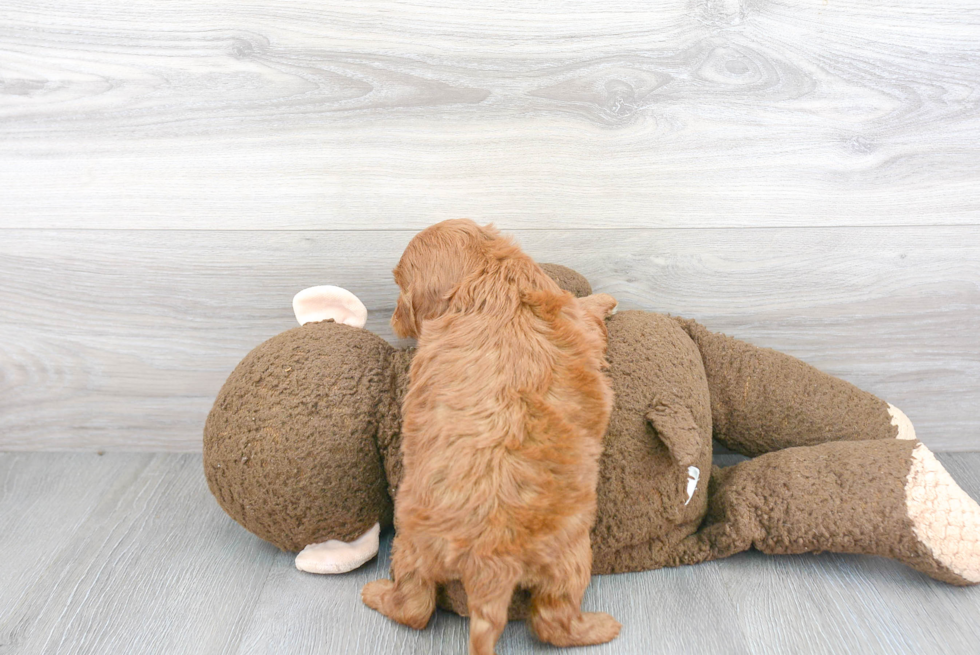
[(416, 305), (402, 321), (437, 263)]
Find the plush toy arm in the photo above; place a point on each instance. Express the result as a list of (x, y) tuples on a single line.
[(763, 400), (890, 498)]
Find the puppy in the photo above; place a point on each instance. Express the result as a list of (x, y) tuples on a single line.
[(501, 437)]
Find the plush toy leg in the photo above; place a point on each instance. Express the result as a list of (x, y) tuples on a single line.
[(890, 498), (763, 400)]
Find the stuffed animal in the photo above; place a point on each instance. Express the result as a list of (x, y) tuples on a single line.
[(302, 449)]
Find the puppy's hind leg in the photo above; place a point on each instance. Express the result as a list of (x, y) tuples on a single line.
[(556, 600), (489, 586), (411, 598)]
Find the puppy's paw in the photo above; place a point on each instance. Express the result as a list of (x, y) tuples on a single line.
[(374, 594), (601, 305), (596, 628), (585, 629), (411, 609)]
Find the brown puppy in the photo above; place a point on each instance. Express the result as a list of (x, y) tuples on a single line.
[(501, 437)]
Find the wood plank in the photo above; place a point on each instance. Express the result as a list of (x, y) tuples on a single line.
[(157, 567), (110, 334), (390, 115), (302, 613), (45, 499), (833, 603), (154, 566)]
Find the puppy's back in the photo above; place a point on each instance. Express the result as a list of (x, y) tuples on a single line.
[(504, 418)]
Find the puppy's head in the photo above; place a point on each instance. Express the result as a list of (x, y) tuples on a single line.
[(434, 265)]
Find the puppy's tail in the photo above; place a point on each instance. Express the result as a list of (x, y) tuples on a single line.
[(489, 585)]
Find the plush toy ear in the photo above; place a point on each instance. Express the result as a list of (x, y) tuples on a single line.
[(676, 428), (325, 303)]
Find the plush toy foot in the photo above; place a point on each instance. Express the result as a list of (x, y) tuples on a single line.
[(337, 556), (945, 519)]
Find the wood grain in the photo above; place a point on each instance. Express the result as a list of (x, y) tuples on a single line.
[(45, 499), (121, 339), (662, 612), (129, 553), (392, 115), (156, 567)]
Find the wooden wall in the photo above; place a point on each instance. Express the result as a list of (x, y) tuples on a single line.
[(802, 174)]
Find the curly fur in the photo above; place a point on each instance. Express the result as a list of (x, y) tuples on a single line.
[(502, 433)]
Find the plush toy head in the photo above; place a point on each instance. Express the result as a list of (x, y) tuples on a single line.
[(290, 448)]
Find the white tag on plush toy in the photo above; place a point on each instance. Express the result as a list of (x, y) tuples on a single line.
[(328, 302), (693, 475)]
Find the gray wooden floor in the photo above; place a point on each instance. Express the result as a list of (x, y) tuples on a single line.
[(129, 553)]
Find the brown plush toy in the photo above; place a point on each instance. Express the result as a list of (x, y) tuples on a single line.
[(302, 449)]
